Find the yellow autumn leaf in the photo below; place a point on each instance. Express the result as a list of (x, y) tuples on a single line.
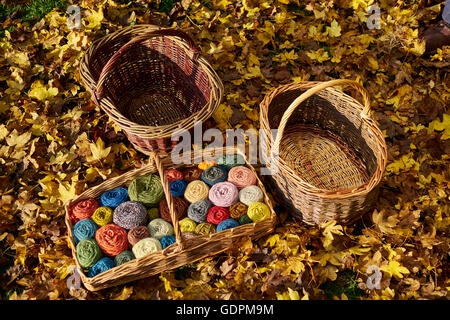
[(394, 268), (41, 92), (334, 30), (438, 125), (320, 55), (330, 228), (98, 150), (95, 19)]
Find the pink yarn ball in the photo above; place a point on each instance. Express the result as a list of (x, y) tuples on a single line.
[(241, 177), (224, 194)]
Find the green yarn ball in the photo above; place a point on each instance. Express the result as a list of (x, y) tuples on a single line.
[(244, 220), (88, 253), (231, 160), (146, 189), (123, 257), (152, 213)]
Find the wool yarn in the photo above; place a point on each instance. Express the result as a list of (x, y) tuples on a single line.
[(244, 220), (187, 225), (224, 194), (227, 224), (130, 214), (190, 174), (146, 246), (124, 257), (250, 194), (112, 198), (112, 239), (180, 207), (102, 216), (238, 210), (188, 235), (241, 177), (177, 187), (217, 214), (88, 253), (206, 164), (198, 211), (146, 189), (167, 241), (159, 228), (152, 213), (84, 229), (138, 233), (100, 266), (205, 228), (82, 210), (258, 211), (195, 191), (173, 174), (214, 174), (231, 160)]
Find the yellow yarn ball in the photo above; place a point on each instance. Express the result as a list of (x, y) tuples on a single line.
[(206, 164), (152, 213), (187, 225), (102, 216), (205, 228), (195, 191), (258, 211)]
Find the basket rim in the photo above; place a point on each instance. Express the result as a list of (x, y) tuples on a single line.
[(285, 169)]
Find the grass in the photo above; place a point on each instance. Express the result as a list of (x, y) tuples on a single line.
[(32, 12), (344, 284)]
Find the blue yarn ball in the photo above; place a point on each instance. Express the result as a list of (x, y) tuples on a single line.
[(177, 187), (112, 198), (227, 224), (100, 266), (84, 229), (167, 241), (214, 174)]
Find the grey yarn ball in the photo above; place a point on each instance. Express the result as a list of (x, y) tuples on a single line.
[(198, 211), (130, 214)]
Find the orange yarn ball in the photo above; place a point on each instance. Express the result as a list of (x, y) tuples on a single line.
[(112, 239)]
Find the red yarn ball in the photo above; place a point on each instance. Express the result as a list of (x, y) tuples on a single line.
[(173, 174), (83, 209), (112, 239), (217, 214)]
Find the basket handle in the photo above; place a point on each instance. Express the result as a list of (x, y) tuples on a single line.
[(170, 204), (310, 92), (97, 92)]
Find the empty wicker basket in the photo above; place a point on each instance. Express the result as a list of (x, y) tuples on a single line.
[(151, 82), (328, 155)]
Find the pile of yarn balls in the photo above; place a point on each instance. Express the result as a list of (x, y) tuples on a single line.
[(128, 223)]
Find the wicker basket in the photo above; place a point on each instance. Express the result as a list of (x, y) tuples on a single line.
[(329, 154), (151, 82), (184, 251)]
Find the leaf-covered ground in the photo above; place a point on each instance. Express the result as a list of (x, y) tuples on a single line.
[(54, 143)]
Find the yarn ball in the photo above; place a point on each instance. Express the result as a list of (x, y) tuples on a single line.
[(191, 174), (88, 253), (130, 214), (138, 233), (112, 239), (167, 241), (180, 207), (188, 235), (206, 164), (159, 228), (102, 216), (112, 198), (101, 266), (173, 174), (152, 213), (258, 211), (241, 177), (224, 194), (214, 174), (82, 210), (227, 224), (198, 211), (250, 194), (147, 189), (84, 229), (230, 161), (187, 225), (238, 210), (177, 187), (146, 246), (205, 228), (217, 214), (123, 257), (195, 191), (244, 220)]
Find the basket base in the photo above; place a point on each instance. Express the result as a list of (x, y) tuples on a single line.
[(321, 158)]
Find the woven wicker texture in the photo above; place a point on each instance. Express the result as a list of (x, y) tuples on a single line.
[(331, 155), (185, 250), (151, 82)]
